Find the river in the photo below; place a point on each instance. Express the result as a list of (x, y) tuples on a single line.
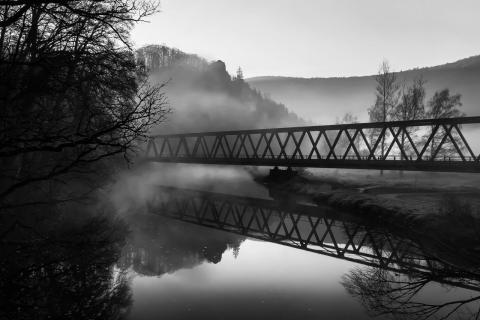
[(195, 242)]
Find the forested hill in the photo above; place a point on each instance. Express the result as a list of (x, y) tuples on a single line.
[(204, 96), (155, 58), (325, 99)]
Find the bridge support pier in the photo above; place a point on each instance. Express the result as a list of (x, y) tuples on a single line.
[(279, 175)]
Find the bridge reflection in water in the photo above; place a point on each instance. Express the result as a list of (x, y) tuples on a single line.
[(367, 241)]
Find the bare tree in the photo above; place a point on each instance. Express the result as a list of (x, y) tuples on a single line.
[(410, 107), (70, 91), (443, 105), (386, 97), (383, 292)]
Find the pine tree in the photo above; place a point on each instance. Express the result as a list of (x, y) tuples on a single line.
[(239, 74)]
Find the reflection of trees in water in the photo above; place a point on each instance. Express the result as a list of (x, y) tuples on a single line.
[(448, 243), (62, 267), (160, 245), (427, 251), (384, 292)]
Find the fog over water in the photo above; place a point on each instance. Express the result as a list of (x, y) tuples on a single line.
[(132, 190), (109, 210), (178, 270)]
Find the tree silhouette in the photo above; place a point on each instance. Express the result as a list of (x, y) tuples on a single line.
[(61, 266), (70, 91), (449, 238), (386, 97), (444, 105), (239, 75), (410, 107), (383, 292)]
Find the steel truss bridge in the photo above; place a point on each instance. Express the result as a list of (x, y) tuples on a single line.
[(312, 228), (427, 145)]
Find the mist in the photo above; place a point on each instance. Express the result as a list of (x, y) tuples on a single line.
[(135, 188), (203, 96), (325, 99), (148, 182)]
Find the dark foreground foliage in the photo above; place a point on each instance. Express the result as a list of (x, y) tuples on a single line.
[(70, 92), (60, 265)]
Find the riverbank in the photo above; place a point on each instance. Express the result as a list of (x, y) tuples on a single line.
[(381, 195), (443, 219)]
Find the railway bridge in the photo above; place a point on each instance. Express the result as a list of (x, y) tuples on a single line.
[(447, 145)]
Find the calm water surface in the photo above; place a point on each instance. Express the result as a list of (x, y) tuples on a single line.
[(201, 261), (249, 279), (227, 250)]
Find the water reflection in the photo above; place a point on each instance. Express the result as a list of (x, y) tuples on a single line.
[(171, 262), (61, 266), (367, 240), (158, 245), (403, 263), (409, 296)]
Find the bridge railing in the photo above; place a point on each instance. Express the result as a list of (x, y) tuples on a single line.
[(440, 141)]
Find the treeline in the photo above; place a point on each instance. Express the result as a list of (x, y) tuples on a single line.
[(155, 57), (397, 100), (402, 102)]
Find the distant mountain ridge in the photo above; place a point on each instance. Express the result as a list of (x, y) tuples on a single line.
[(470, 62), (325, 99)]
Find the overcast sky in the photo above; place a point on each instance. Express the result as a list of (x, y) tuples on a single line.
[(317, 38)]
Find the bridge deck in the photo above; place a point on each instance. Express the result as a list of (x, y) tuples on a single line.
[(442, 166)]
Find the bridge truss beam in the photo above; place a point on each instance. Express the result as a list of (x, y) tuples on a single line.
[(430, 145)]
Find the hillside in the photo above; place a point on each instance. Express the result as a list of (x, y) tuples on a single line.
[(204, 97), (325, 99)]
